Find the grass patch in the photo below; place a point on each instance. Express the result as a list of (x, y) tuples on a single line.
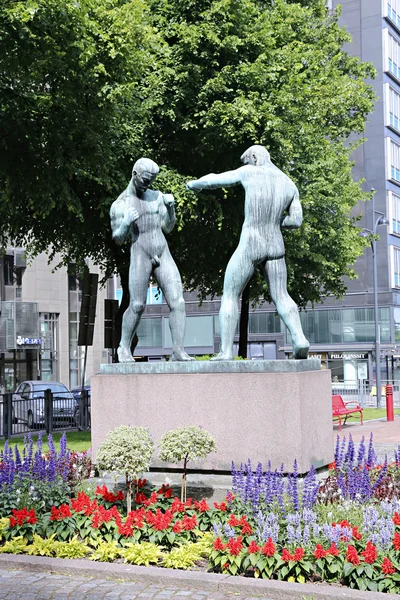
[(369, 414), (77, 441)]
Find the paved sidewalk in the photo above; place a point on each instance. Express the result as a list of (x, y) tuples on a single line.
[(22, 585)]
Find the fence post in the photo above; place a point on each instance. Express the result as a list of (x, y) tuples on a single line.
[(48, 410), (84, 410), (389, 403), (7, 415)]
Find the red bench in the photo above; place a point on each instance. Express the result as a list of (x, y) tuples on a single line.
[(342, 409)]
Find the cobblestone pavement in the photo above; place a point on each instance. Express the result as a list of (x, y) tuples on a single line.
[(24, 585)]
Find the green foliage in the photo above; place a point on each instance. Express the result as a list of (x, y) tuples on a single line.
[(186, 443), (41, 546), (75, 548), (126, 450), (4, 525), (17, 545), (106, 551), (185, 556), (72, 105), (142, 554)]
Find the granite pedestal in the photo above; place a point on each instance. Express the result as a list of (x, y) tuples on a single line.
[(262, 410)]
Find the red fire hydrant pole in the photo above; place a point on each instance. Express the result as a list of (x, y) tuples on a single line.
[(389, 403)]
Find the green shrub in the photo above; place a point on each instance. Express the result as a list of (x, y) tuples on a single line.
[(75, 548), (107, 551), (185, 444), (186, 556), (127, 450), (142, 554)]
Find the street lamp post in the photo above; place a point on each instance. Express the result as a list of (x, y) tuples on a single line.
[(381, 220)]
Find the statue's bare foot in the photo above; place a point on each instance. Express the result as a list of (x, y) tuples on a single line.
[(180, 355), (301, 351), (222, 356), (124, 355)]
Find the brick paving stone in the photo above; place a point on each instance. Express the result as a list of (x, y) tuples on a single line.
[(25, 585)]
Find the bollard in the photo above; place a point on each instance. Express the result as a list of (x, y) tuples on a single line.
[(389, 403)]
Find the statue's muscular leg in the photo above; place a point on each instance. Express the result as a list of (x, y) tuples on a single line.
[(169, 280), (238, 273), (275, 271), (139, 276)]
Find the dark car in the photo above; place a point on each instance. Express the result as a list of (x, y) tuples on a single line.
[(77, 393), (29, 404)]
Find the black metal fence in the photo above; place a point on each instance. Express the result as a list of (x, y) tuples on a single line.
[(47, 411)]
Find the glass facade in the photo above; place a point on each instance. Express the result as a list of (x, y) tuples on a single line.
[(199, 332), (150, 333), (264, 323), (346, 326)]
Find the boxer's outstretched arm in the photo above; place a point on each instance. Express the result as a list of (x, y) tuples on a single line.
[(216, 180)]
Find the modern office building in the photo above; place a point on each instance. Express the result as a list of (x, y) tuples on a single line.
[(39, 323)]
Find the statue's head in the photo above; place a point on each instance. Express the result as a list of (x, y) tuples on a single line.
[(255, 155), (144, 173)]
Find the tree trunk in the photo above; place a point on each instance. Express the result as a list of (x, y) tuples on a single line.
[(244, 321)]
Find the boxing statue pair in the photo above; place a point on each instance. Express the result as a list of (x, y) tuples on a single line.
[(144, 215)]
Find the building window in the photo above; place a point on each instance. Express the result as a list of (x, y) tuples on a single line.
[(49, 351), (394, 109), (8, 270), (393, 11), (394, 207), (394, 160), (396, 267), (393, 55)]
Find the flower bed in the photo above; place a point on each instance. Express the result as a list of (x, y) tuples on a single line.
[(344, 529)]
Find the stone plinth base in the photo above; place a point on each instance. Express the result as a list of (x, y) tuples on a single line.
[(276, 416)]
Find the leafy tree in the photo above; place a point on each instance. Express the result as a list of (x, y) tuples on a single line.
[(127, 450), (185, 444), (72, 109), (274, 73)]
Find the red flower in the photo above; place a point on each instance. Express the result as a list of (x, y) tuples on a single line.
[(189, 523), (253, 548), (159, 521), (247, 529), (286, 556), (140, 483), (177, 506), (235, 545), (396, 541), (333, 550), (298, 554), (233, 521), (396, 518), (319, 552), (332, 466), (370, 554), (140, 498), (22, 516), (387, 567), (269, 548), (177, 528), (218, 545), (151, 500), (58, 514), (201, 506), (222, 506), (83, 504), (352, 556), (356, 534)]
